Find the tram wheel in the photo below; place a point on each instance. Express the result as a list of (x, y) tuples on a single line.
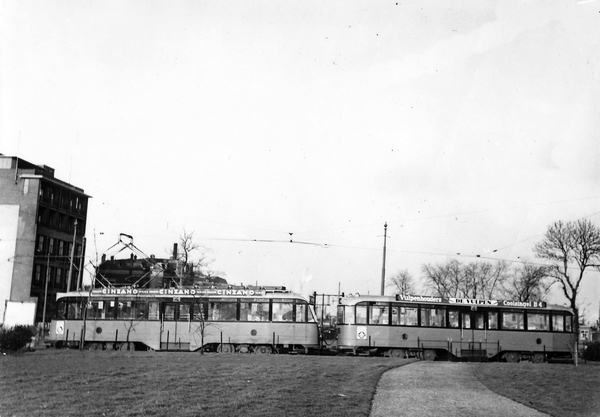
[(512, 357), (397, 353), (125, 346), (538, 358), (429, 355), (225, 348), (262, 350), (95, 346)]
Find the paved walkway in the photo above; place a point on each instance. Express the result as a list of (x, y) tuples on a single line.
[(441, 389)]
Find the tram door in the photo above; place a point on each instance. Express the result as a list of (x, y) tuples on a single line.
[(473, 329)]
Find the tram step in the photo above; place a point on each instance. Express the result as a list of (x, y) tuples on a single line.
[(474, 355)]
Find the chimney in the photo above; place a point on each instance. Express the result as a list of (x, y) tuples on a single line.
[(174, 251)]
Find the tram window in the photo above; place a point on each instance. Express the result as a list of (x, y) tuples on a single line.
[(184, 312), (153, 310), (96, 310), (558, 323), (409, 316), (512, 321), (348, 314), (199, 312), (538, 321), (251, 311), (124, 310), (466, 320), (139, 310), (395, 316), (493, 320), (379, 314), (283, 311), (568, 323), (453, 319), (61, 310), (111, 309), (479, 321), (74, 310), (222, 310), (340, 314), (361, 314), (433, 317), (169, 312), (301, 313)]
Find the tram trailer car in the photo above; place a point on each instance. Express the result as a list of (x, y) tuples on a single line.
[(245, 320), (456, 328)]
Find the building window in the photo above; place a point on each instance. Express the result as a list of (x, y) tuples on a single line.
[(38, 274), (40, 244), (59, 277), (26, 186)]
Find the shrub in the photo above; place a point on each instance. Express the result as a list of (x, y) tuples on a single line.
[(592, 352), (15, 339)]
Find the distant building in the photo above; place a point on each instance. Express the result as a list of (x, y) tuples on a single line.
[(42, 227)]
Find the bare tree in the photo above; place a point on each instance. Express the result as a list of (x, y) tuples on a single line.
[(191, 255), (528, 283), (402, 282), (444, 279), (570, 243), (473, 280)]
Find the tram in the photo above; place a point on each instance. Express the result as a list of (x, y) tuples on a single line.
[(230, 319), (455, 328)]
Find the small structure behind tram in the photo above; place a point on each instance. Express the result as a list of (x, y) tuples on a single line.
[(455, 328)]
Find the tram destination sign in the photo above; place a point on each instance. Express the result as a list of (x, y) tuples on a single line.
[(178, 292), (471, 301)]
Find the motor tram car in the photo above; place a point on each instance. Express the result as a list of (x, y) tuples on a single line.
[(455, 328), (230, 319)]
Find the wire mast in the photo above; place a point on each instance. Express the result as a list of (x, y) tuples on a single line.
[(383, 268)]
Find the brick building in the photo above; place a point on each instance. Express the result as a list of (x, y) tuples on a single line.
[(42, 228)]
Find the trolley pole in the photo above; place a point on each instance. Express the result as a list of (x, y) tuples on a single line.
[(383, 269)]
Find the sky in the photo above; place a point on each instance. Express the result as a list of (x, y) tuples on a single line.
[(467, 126)]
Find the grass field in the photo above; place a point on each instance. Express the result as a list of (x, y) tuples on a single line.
[(101, 383)]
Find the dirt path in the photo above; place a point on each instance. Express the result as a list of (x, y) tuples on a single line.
[(440, 389)]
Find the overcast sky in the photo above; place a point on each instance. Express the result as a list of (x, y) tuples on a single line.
[(467, 126)]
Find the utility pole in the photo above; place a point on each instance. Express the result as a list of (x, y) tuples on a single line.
[(72, 257), (383, 269)]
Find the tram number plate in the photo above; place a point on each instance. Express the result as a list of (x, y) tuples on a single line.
[(361, 332)]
